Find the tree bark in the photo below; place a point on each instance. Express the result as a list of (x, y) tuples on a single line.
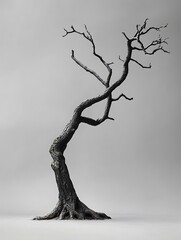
[(69, 206)]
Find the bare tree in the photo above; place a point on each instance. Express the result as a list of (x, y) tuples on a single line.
[(69, 206)]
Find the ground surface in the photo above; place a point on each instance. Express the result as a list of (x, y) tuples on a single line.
[(124, 228)]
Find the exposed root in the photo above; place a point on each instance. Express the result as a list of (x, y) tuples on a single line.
[(54, 214), (88, 215), (80, 212)]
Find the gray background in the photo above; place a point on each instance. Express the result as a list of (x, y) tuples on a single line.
[(129, 166)]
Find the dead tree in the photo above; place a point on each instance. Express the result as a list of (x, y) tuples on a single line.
[(69, 206)]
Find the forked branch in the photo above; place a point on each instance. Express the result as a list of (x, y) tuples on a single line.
[(141, 29), (89, 37), (150, 49), (153, 47)]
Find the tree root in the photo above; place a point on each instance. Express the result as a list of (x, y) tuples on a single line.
[(54, 214), (67, 212)]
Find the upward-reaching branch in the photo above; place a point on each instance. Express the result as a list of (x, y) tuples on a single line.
[(87, 69), (89, 37), (150, 49)]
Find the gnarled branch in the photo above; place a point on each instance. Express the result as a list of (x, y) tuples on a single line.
[(105, 116), (155, 45), (89, 37), (107, 94)]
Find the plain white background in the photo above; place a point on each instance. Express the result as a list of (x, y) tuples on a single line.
[(131, 166)]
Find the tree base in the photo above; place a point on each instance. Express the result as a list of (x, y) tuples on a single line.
[(73, 212)]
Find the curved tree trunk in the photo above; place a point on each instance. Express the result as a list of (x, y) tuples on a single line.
[(69, 206)]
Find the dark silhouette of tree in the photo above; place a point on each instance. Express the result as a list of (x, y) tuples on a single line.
[(69, 206)]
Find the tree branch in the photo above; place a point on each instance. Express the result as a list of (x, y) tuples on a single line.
[(153, 28), (90, 121), (140, 63), (87, 69), (75, 31), (122, 95), (156, 50), (156, 44), (139, 28), (105, 116), (107, 65), (89, 37), (150, 49), (121, 59), (125, 36)]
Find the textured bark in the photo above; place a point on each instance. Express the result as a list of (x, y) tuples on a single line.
[(69, 206)]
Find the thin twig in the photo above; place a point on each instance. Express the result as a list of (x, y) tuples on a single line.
[(140, 63), (122, 95)]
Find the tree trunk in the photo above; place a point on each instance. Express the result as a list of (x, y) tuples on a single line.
[(69, 206)]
